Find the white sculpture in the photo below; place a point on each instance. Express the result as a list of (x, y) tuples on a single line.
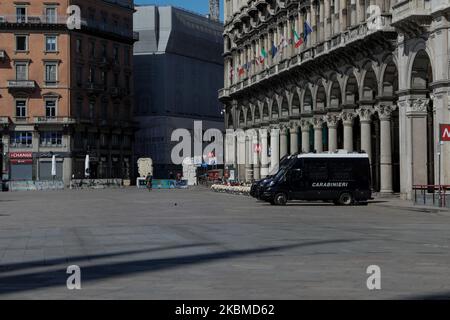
[(145, 167)]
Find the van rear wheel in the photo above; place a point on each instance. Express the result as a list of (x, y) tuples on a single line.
[(345, 199), (280, 199)]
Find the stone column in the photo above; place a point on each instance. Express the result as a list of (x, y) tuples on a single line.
[(241, 155), (347, 120), (255, 151), (318, 136), (275, 148), (365, 118), (230, 147), (248, 159), (283, 141), (264, 148), (332, 123), (305, 126), (294, 137), (384, 112), (417, 128)]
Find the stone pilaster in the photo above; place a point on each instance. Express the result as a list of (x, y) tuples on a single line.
[(384, 113), (318, 136), (347, 120), (332, 123), (283, 141), (275, 148), (263, 132), (305, 127), (365, 113), (294, 137)]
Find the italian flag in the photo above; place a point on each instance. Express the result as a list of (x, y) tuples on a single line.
[(263, 55), (297, 39)]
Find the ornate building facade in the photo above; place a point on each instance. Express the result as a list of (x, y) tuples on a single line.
[(370, 76)]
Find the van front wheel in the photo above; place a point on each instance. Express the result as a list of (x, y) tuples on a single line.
[(280, 199), (345, 199)]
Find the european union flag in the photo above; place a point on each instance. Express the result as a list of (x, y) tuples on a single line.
[(307, 31), (274, 50)]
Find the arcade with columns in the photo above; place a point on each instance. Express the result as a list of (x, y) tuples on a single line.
[(373, 76)]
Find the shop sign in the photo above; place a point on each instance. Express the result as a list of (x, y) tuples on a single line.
[(20, 155)]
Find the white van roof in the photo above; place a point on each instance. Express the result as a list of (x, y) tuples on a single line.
[(339, 154)]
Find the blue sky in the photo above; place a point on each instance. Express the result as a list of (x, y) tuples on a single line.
[(200, 6)]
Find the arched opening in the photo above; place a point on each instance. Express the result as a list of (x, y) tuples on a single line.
[(307, 101), (275, 111), (228, 120), (376, 156), (325, 137), (249, 117), (340, 135), (257, 115), (335, 96), (241, 118), (370, 85), (266, 116), (295, 104), (390, 88), (351, 90), (321, 99), (284, 109), (421, 77)]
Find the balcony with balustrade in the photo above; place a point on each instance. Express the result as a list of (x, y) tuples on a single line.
[(343, 45), (411, 14), (21, 85), (43, 120), (25, 22)]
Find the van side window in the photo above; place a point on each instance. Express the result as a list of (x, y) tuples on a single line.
[(341, 171), (316, 170)]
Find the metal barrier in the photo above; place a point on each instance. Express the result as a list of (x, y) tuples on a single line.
[(439, 191)]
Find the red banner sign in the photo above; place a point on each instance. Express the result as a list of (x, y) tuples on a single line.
[(21, 155), (445, 132), (22, 161)]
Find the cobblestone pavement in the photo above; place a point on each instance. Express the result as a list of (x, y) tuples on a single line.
[(196, 244)]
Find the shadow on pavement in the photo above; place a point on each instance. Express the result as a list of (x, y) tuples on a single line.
[(58, 278), (54, 262)]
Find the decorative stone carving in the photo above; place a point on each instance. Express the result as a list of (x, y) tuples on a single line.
[(385, 111), (348, 117), (365, 114), (332, 120), (305, 125), (418, 106), (318, 122)]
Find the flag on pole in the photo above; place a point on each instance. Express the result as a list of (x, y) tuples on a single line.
[(298, 41), (274, 50), (283, 43), (241, 71), (263, 55), (307, 31)]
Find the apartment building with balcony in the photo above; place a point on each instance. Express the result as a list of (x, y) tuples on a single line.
[(66, 91), (322, 75)]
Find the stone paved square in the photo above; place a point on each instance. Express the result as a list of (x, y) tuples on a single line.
[(197, 244)]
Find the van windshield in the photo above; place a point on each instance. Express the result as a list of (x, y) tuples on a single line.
[(280, 174), (283, 164)]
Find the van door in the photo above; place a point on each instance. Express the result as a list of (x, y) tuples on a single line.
[(315, 177), (297, 183)]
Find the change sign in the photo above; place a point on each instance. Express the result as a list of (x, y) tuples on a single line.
[(445, 132)]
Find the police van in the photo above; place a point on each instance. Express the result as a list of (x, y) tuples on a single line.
[(341, 177)]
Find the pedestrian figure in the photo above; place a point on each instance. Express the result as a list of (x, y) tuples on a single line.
[(149, 182)]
